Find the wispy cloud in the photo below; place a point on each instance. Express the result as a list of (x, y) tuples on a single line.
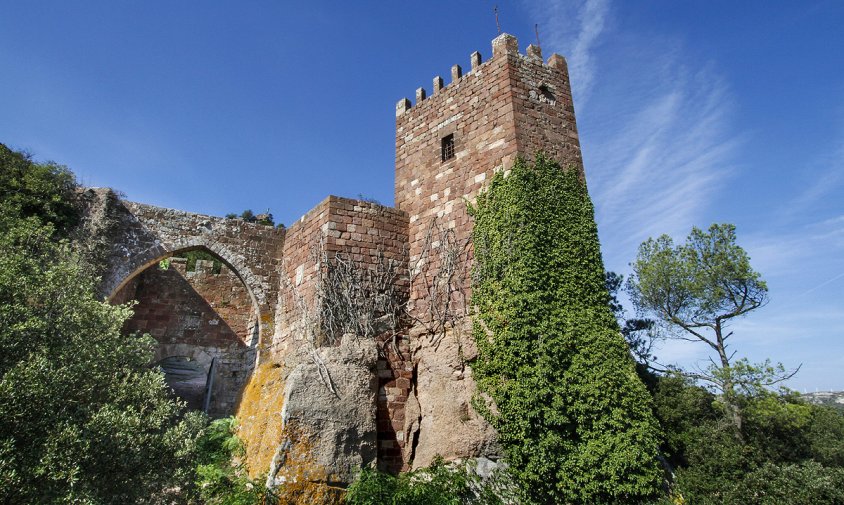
[(657, 168), (660, 146), (573, 28), (656, 137), (825, 175)]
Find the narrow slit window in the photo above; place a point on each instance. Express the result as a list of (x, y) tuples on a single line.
[(448, 147)]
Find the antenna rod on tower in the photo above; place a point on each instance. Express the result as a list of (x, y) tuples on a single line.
[(497, 24), (536, 29)]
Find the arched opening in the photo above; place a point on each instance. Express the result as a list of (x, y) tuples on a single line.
[(205, 322)]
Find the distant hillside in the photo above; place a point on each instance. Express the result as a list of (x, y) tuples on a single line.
[(833, 399)]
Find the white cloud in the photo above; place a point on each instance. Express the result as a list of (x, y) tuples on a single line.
[(574, 40), (656, 139)]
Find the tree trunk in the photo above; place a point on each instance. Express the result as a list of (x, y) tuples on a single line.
[(728, 387)]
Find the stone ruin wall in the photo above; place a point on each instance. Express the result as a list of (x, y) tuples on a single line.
[(511, 105), (200, 315), (361, 231)]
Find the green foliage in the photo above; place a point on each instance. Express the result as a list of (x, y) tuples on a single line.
[(82, 416), (825, 434), (807, 483), (200, 254), (439, 484), (706, 278), (571, 413), (783, 440), (247, 215), (679, 407), (694, 290), (43, 190), (221, 478)]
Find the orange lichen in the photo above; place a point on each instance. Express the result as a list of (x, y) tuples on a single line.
[(259, 417), (303, 479)]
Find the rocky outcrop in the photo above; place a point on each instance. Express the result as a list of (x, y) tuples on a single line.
[(328, 415), (439, 417)]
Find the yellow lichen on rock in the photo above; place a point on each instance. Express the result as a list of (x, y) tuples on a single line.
[(301, 479), (259, 417)]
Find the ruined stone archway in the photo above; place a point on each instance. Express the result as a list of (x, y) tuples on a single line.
[(133, 236), (201, 312)]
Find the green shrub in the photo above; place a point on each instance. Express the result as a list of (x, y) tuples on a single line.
[(572, 415), (220, 477), (439, 484), (806, 483), (43, 190), (83, 418)]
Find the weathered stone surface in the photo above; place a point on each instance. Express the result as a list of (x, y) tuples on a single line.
[(202, 316), (135, 236), (439, 418), (329, 407)]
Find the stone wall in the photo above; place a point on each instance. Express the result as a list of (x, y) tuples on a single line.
[(132, 236), (512, 105), (509, 106), (366, 233), (362, 231), (200, 315)]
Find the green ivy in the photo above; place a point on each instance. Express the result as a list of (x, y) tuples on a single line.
[(572, 415)]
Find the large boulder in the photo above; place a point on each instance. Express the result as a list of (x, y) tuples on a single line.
[(439, 417), (328, 417)]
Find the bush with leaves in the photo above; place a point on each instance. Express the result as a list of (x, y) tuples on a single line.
[(572, 415), (221, 476), (83, 417), (783, 439), (44, 190), (439, 484)]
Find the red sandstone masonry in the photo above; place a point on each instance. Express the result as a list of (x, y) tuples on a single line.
[(196, 313), (346, 226), (511, 105), (360, 230), (218, 305)]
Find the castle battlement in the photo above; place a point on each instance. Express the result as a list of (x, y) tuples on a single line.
[(502, 46)]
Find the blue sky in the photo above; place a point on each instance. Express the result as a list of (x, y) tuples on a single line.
[(689, 113)]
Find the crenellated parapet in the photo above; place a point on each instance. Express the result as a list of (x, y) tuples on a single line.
[(503, 46)]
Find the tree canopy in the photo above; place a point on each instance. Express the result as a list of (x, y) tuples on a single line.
[(695, 290), (84, 418)]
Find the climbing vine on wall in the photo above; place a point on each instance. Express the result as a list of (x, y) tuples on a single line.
[(573, 418)]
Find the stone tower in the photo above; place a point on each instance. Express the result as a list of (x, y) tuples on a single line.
[(448, 146)]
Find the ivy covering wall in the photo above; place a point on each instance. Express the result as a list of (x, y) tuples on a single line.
[(572, 415)]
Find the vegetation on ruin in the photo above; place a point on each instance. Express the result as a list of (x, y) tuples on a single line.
[(247, 215), (574, 419), (85, 418), (221, 476), (199, 254)]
